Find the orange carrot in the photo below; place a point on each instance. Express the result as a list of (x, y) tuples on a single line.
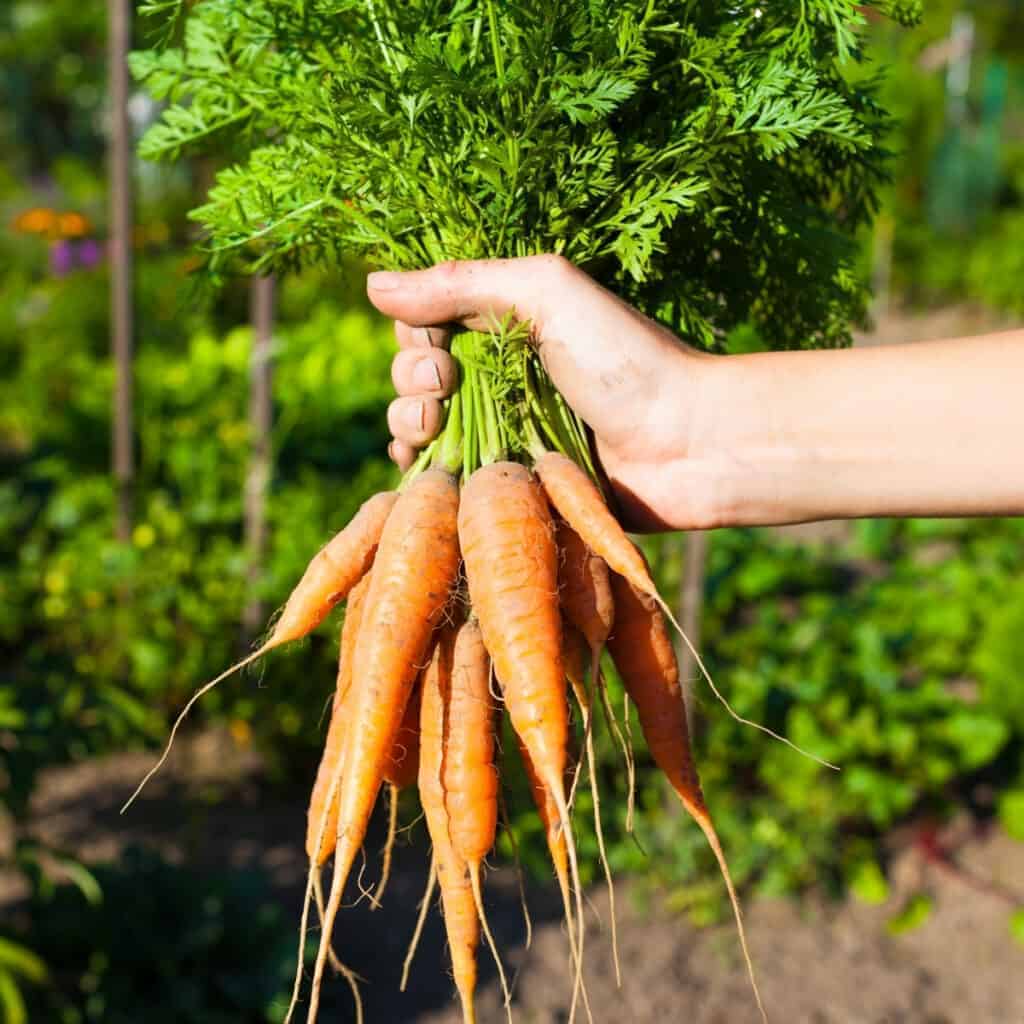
[(508, 545), (400, 772), (316, 824), (334, 571), (415, 568), (554, 834), (583, 588), (403, 762), (547, 811), (470, 778), (586, 598), (581, 505), (579, 502), (460, 915), (642, 650)]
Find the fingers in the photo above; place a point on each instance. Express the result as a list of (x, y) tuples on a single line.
[(414, 420), (402, 454), (474, 293), (614, 366), (430, 336), (428, 372)]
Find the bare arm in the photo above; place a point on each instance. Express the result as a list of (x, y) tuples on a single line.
[(692, 441), (929, 429)]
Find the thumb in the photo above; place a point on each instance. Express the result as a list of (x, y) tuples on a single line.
[(474, 293)]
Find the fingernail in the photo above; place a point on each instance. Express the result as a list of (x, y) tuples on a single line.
[(391, 451), (415, 415), (383, 280), (425, 375)]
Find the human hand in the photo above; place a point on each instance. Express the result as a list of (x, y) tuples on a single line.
[(633, 383), (690, 440)]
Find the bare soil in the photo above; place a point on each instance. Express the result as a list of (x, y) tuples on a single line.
[(818, 961)]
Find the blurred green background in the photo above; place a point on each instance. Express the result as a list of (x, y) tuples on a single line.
[(895, 648)]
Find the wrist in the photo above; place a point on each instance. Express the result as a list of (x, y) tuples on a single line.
[(742, 453)]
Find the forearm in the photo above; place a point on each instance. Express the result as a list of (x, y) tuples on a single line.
[(933, 429)]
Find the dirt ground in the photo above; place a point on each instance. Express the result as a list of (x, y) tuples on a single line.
[(818, 962)]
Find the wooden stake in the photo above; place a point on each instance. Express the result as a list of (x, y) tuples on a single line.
[(120, 255), (261, 457)]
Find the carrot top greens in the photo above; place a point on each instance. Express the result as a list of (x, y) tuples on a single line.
[(709, 161)]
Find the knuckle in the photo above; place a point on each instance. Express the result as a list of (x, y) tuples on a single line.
[(396, 372), (447, 269), (554, 264)]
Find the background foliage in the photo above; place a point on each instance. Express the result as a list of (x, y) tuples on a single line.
[(895, 650)]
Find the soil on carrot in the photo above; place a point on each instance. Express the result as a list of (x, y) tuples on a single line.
[(818, 962)]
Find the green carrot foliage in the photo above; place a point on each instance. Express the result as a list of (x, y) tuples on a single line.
[(710, 161)]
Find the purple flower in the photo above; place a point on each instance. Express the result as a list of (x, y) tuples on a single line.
[(89, 253), (62, 258)]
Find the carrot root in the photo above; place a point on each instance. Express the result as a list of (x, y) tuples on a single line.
[(344, 857), (599, 832), (385, 871), (578, 985), (653, 593), (201, 692), (703, 820), (474, 881), (623, 739), (528, 922), (420, 921)]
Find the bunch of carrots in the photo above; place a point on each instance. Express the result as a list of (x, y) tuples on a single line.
[(495, 576)]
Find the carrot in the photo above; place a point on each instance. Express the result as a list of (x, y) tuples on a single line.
[(470, 778), (328, 578), (322, 815), (415, 568), (555, 835), (547, 811), (400, 772), (403, 761), (579, 502), (586, 598), (642, 650), (460, 916), (583, 588), (335, 735), (508, 545), (334, 571)]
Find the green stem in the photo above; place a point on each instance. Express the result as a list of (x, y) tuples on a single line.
[(450, 450)]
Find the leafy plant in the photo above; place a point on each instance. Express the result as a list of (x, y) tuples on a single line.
[(164, 944), (709, 162)]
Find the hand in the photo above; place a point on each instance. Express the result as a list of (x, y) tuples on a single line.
[(690, 441), (634, 383)]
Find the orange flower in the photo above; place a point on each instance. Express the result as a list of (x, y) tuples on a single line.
[(37, 221)]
